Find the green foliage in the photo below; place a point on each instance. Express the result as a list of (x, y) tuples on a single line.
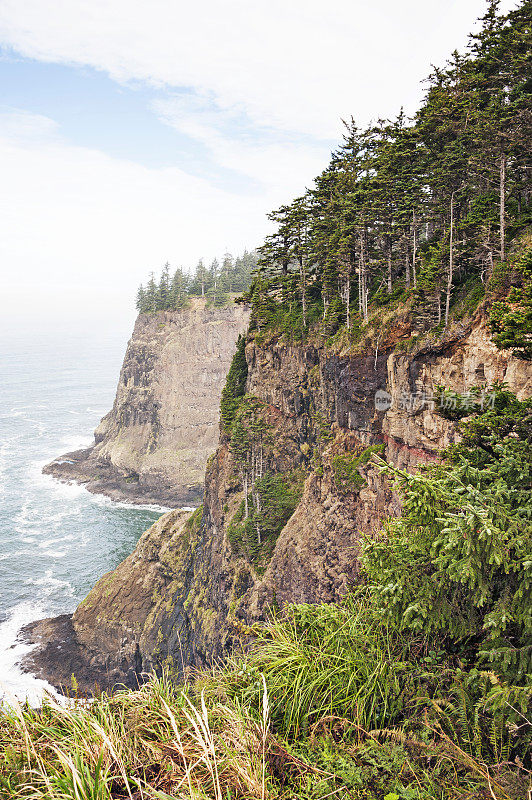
[(454, 405), (347, 478), (345, 466), (484, 713), (272, 503), (338, 660), (417, 211), (269, 498), (235, 385), (468, 297), (250, 433), (212, 740), (193, 523), (511, 320), (459, 560), (216, 283)]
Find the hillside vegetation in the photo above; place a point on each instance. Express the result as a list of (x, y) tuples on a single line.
[(217, 283), (418, 685)]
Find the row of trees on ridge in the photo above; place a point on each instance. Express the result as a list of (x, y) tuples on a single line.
[(215, 282), (415, 205)]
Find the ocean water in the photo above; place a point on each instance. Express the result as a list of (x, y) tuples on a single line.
[(56, 540)]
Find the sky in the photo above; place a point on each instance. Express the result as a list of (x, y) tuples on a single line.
[(135, 132)]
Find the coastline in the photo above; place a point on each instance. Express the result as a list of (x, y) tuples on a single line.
[(103, 478)]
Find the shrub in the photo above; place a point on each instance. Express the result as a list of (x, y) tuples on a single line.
[(459, 560)]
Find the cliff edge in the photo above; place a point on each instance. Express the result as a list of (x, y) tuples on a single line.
[(152, 447), (195, 583)]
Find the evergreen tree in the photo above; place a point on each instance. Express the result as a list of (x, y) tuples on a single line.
[(141, 300), (152, 294), (235, 385), (164, 297), (178, 290)]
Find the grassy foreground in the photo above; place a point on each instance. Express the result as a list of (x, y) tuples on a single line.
[(327, 704), (418, 686)]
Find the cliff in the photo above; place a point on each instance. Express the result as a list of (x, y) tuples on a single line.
[(152, 447), (193, 586)]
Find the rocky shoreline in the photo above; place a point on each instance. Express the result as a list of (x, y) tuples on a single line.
[(102, 477), (58, 656), (106, 642)]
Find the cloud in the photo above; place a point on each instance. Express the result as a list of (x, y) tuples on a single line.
[(295, 66), (74, 216), (280, 165), (261, 85), (19, 125)]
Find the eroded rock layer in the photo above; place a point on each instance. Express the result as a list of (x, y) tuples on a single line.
[(187, 593)]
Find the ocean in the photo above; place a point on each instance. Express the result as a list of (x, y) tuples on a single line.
[(56, 540)]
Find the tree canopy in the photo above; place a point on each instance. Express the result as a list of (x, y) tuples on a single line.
[(216, 283), (412, 208)]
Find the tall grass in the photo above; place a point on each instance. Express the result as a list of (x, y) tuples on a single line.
[(340, 660), (327, 703)]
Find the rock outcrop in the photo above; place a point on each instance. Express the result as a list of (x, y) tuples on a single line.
[(187, 594), (152, 447)]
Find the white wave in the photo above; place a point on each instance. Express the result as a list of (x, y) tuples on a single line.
[(13, 682), (47, 543), (66, 491), (23, 517), (34, 521), (77, 442), (49, 585), (12, 414), (143, 507), (74, 490), (103, 500)]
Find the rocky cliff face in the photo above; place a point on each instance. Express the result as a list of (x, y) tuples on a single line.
[(153, 445), (187, 593)]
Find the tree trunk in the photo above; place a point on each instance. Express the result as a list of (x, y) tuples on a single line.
[(407, 262), (348, 301), (363, 277), (502, 178), (414, 253), (303, 277), (245, 485), (389, 262), (451, 264)]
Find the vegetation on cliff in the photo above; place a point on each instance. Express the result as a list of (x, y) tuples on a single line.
[(235, 386), (511, 319), (417, 685), (216, 282), (419, 212), (269, 496)]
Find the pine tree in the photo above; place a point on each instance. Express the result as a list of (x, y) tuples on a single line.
[(141, 303), (163, 298), (152, 294)]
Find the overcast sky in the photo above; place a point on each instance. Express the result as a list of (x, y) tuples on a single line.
[(133, 132)]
